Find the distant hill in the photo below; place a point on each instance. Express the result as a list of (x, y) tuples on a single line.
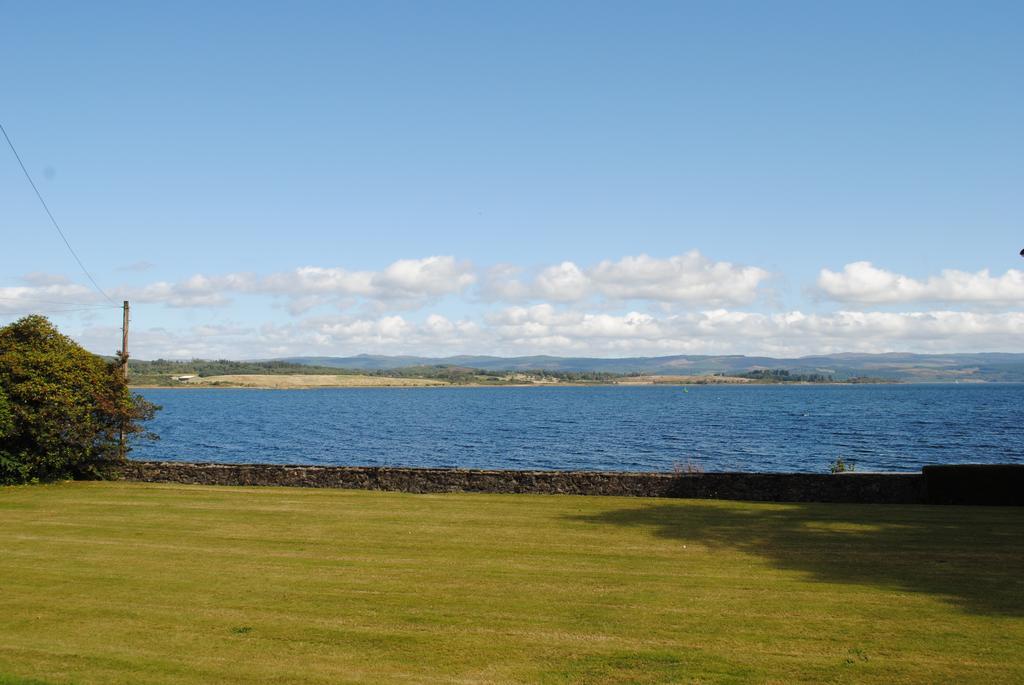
[(981, 367)]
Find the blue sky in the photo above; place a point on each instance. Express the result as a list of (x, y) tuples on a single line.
[(565, 178)]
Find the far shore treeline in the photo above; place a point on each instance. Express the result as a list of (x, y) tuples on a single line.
[(163, 372), (986, 367)]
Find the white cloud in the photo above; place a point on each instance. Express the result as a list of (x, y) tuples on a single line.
[(315, 280), (690, 278), (502, 283), (864, 283), (405, 279), (386, 330), (195, 291), (49, 294), (548, 329), (419, 278), (563, 283), (407, 282), (205, 341), (615, 308), (542, 328)]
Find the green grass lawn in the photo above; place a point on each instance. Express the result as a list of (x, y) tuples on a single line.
[(135, 583)]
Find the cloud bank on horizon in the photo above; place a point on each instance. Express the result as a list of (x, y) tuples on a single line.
[(630, 306)]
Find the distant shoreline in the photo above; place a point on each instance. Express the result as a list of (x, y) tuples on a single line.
[(228, 386), (512, 371)]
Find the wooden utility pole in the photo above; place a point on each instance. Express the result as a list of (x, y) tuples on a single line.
[(124, 341), (124, 369)]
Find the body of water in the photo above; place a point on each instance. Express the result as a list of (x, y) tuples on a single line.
[(639, 428)]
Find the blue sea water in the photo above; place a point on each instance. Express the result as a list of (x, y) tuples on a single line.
[(632, 428)]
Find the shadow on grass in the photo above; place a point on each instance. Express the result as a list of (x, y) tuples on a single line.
[(972, 557)]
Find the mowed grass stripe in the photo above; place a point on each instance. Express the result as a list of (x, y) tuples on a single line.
[(127, 582)]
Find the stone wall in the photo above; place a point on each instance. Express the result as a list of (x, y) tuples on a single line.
[(990, 484), (880, 488)]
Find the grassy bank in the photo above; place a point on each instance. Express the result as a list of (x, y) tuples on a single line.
[(129, 583)]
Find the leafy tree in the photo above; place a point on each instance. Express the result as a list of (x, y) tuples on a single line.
[(62, 408), (11, 471), (6, 420)]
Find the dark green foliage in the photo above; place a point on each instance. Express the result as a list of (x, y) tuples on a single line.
[(224, 367), (784, 376), (63, 408), (11, 470), (6, 418), (162, 372), (465, 375), (840, 465)]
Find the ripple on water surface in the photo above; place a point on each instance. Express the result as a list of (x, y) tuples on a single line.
[(641, 428)]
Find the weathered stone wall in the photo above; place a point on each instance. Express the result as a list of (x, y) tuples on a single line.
[(880, 488), (990, 484)]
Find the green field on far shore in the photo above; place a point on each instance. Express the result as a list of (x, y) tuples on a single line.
[(143, 583)]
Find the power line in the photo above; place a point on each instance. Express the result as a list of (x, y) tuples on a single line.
[(48, 311), (33, 300), (53, 220)]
